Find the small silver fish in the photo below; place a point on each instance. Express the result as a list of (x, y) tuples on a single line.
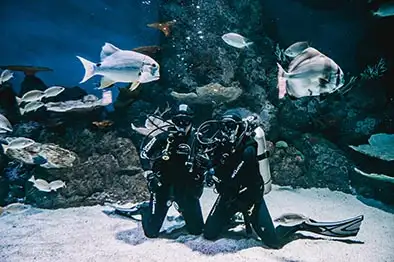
[(18, 143), (55, 185), (31, 96), (5, 76), (121, 66), (32, 106), (236, 40), (44, 186), (53, 91), (385, 10), (14, 208), (290, 219), (296, 49), (5, 125)]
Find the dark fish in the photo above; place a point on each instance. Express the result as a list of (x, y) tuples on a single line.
[(165, 27)]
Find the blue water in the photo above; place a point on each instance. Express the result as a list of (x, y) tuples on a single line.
[(51, 33)]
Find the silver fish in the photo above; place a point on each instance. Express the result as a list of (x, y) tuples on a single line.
[(296, 49), (236, 40), (385, 10), (290, 219), (31, 96), (40, 184), (311, 77), (121, 66), (5, 76), (55, 185), (5, 125), (32, 106), (18, 143), (53, 91)]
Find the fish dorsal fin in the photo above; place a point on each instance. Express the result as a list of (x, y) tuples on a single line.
[(107, 50), (106, 82)]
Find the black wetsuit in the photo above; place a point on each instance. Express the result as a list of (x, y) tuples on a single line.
[(178, 184), (242, 193)]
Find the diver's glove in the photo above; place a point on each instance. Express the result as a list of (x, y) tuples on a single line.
[(153, 182)]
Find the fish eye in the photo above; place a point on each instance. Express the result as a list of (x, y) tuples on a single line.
[(98, 64), (139, 74), (153, 65)]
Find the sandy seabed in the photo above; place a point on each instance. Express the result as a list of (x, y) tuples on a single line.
[(89, 234)]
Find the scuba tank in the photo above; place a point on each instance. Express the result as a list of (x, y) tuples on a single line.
[(262, 155)]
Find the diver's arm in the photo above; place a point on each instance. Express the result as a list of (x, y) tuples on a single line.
[(262, 157), (156, 143)]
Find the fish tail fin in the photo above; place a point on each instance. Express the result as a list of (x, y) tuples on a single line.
[(282, 83), (5, 148), (18, 100), (90, 68), (248, 44), (22, 111)]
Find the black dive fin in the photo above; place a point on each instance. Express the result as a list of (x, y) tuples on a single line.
[(344, 228)]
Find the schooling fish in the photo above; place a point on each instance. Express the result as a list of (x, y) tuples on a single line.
[(53, 91), (32, 106), (5, 76), (18, 143), (236, 40), (31, 96), (311, 77), (296, 49), (121, 66), (43, 185), (5, 125)]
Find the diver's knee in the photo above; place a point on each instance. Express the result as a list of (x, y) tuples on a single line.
[(150, 234), (195, 231), (210, 235)]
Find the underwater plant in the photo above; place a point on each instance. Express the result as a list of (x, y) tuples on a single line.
[(280, 54), (375, 71)]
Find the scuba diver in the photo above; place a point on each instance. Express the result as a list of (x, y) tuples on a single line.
[(170, 178), (239, 169)]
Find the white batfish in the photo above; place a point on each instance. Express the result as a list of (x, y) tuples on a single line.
[(296, 49), (311, 76), (123, 66)]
